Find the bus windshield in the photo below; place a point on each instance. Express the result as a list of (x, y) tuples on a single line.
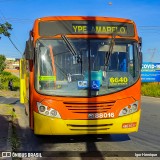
[(91, 70)]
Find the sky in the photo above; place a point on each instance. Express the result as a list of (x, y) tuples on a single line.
[(22, 13)]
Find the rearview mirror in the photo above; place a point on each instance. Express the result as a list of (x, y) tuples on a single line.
[(116, 48), (140, 59), (29, 51)]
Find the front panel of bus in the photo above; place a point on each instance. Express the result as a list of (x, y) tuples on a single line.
[(86, 85)]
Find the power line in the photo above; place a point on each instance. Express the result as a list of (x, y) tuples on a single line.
[(14, 45), (15, 18), (18, 20), (1, 1), (9, 37)]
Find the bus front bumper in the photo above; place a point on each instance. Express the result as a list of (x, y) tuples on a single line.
[(44, 125)]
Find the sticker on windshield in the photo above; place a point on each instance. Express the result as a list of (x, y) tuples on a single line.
[(82, 84), (47, 78), (118, 81), (95, 84)]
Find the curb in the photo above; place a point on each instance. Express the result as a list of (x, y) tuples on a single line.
[(9, 147), (6, 155), (150, 97)]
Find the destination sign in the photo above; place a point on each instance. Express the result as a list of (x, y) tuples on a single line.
[(99, 29), (52, 28)]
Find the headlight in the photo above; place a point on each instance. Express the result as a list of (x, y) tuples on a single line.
[(134, 107), (124, 111), (45, 110), (42, 108), (129, 109), (53, 112)]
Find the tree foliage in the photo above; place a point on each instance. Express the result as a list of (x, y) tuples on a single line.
[(4, 29), (2, 63)]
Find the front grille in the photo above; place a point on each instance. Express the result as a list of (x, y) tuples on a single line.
[(89, 127), (90, 107)]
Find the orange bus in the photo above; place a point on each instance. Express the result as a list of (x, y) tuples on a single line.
[(81, 75)]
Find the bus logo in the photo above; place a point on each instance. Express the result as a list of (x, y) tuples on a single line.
[(90, 116)]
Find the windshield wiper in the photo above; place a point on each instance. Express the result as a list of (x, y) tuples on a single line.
[(69, 45), (76, 57), (110, 50)]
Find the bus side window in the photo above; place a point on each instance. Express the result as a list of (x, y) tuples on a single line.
[(122, 61)]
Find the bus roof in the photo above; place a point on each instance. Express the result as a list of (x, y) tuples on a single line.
[(96, 18)]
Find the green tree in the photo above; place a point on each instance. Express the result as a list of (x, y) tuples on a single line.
[(2, 63), (4, 29)]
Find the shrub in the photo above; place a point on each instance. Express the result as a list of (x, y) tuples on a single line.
[(4, 79), (151, 89)]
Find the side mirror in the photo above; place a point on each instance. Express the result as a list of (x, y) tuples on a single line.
[(29, 50), (140, 42), (140, 52), (140, 59)]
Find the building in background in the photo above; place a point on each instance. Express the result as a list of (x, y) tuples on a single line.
[(12, 63)]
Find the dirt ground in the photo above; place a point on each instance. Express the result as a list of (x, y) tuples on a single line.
[(7, 94)]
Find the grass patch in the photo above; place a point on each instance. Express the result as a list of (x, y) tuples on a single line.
[(14, 139), (4, 79), (150, 89)]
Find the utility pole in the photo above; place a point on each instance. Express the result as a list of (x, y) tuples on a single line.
[(152, 52)]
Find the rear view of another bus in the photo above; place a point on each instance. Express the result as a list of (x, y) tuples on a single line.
[(82, 76)]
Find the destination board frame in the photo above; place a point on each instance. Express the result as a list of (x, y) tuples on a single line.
[(52, 28)]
